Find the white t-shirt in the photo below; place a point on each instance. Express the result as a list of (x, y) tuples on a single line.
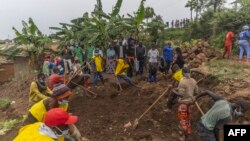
[(153, 55)]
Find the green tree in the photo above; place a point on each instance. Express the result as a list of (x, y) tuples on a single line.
[(149, 13), (30, 35)]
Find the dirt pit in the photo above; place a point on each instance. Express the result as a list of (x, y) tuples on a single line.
[(103, 118)]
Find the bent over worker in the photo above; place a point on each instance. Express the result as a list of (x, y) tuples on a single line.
[(55, 125), (221, 113), (59, 99)]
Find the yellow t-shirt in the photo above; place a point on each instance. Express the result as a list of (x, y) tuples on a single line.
[(178, 75), (38, 110), (98, 63), (31, 133), (121, 65)]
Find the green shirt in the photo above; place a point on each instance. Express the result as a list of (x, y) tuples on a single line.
[(78, 53), (220, 110), (90, 50)]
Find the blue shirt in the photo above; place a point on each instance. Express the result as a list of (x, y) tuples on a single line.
[(168, 53), (244, 35)]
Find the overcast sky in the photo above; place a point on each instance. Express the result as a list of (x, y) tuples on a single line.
[(47, 13)]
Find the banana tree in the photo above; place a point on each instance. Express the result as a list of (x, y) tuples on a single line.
[(32, 37)]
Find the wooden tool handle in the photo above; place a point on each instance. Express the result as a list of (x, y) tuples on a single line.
[(154, 103)]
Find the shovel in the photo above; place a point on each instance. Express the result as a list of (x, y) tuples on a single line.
[(136, 122)]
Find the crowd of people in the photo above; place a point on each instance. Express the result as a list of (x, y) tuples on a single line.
[(179, 23), (48, 119)]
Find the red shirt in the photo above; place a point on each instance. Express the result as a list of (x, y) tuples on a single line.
[(54, 79), (229, 38)]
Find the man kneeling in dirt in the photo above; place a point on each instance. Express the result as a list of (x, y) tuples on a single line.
[(59, 99), (185, 91), (56, 124), (211, 124)]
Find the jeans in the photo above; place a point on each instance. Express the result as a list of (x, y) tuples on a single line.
[(141, 65), (125, 78), (96, 76), (244, 46), (152, 72), (168, 64)]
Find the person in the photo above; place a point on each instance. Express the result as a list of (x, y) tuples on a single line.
[(162, 66), (78, 53), (130, 54), (56, 124), (186, 89), (179, 59), (55, 78), (97, 50), (111, 57), (121, 48), (168, 55), (60, 65), (98, 67), (120, 72), (140, 56), (222, 112), (67, 56), (46, 65), (38, 90), (82, 74), (153, 55), (228, 44), (177, 75), (89, 52), (244, 37), (59, 99)]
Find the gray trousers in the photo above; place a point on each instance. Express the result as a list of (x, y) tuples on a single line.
[(205, 134)]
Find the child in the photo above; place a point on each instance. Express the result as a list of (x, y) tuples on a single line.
[(120, 71), (98, 66)]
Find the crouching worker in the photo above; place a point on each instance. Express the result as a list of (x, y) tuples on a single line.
[(56, 124), (59, 99), (211, 125), (185, 91), (120, 72), (81, 76), (38, 90)]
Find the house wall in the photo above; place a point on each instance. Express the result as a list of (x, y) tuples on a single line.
[(7, 72), (21, 66)]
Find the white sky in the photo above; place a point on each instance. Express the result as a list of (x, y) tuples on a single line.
[(47, 13)]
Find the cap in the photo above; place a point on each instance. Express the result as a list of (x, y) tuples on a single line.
[(61, 91), (245, 27), (58, 116)]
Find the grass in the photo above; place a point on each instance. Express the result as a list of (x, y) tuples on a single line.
[(9, 124), (224, 69), (4, 103)]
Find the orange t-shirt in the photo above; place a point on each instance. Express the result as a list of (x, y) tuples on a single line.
[(229, 38)]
